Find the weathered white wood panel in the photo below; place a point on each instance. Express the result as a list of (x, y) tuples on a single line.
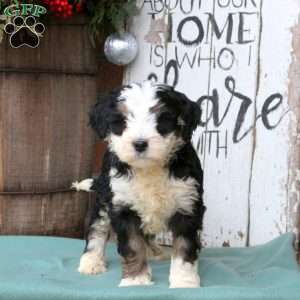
[(270, 174), (234, 58), (235, 71), (293, 184)]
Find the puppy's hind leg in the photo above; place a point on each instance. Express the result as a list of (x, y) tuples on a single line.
[(92, 260)]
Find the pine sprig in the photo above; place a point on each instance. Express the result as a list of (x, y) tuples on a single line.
[(109, 12)]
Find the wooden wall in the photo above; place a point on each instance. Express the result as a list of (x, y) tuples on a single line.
[(239, 60), (45, 143)]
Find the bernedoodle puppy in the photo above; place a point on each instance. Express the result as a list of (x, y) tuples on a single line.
[(151, 181)]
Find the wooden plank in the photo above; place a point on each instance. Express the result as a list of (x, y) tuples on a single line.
[(45, 128), (270, 186), (60, 214), (228, 142), (151, 59), (293, 184)]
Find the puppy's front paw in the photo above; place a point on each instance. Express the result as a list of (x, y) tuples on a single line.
[(142, 279), (183, 274), (192, 282), (91, 264)]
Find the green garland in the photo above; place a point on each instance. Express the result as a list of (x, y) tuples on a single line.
[(114, 13), (107, 14)]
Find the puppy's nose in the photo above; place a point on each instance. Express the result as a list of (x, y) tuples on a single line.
[(140, 145)]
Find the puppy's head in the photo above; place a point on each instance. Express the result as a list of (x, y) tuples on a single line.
[(145, 124)]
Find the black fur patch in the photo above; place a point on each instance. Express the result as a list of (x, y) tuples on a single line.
[(182, 107), (104, 116)]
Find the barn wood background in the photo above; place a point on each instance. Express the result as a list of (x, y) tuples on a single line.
[(239, 59), (45, 143)]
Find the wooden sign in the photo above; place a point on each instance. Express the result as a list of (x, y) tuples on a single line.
[(238, 59)]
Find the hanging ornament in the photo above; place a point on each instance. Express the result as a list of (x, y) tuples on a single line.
[(121, 48)]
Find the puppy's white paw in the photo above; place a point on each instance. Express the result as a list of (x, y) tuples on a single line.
[(91, 264), (84, 185), (192, 282), (183, 274), (142, 279)]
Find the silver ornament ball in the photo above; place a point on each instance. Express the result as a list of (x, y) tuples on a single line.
[(120, 48)]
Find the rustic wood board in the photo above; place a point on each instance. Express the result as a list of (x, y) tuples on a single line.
[(62, 48), (45, 140), (44, 129)]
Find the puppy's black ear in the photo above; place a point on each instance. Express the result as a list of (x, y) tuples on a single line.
[(190, 115), (101, 112), (98, 116)]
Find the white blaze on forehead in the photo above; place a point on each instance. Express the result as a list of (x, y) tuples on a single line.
[(139, 97), (141, 122)]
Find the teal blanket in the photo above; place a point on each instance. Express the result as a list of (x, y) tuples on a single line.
[(44, 268)]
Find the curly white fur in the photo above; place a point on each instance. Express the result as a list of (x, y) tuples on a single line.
[(154, 195)]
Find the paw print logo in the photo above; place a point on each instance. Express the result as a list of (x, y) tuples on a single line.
[(24, 32)]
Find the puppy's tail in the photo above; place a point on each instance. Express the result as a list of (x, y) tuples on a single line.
[(84, 185)]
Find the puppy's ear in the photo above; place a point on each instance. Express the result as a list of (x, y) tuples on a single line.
[(101, 112), (188, 111), (190, 115), (98, 116)]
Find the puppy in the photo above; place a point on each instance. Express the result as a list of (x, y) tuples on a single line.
[(151, 181)]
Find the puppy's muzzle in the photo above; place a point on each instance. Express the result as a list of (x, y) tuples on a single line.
[(140, 145)]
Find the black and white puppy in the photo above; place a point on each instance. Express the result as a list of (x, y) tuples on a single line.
[(151, 181)]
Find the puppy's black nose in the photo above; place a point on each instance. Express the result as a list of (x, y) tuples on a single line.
[(140, 145)]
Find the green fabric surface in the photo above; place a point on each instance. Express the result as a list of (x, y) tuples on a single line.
[(44, 268)]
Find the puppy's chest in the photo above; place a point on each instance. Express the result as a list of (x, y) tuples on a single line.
[(155, 196)]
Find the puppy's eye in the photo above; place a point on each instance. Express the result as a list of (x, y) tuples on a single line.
[(117, 126), (166, 123)]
